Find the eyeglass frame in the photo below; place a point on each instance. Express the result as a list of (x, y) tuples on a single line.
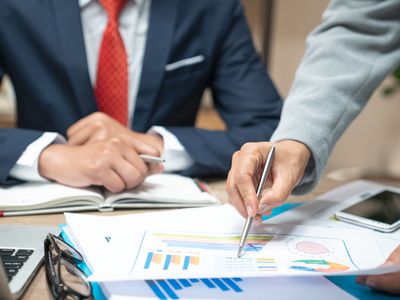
[(57, 287)]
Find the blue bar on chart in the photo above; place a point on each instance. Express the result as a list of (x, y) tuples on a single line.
[(186, 262), (220, 284), (167, 262), (174, 284), (208, 283), (169, 289), (232, 285), (185, 282), (152, 258)]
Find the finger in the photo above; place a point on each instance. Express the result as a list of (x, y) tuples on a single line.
[(155, 168), (249, 162), (129, 173), (112, 181), (282, 186), (230, 184), (82, 136), (140, 146), (394, 257), (388, 282), (362, 279), (80, 125), (258, 220), (134, 159), (237, 202), (234, 196), (248, 194), (265, 212)]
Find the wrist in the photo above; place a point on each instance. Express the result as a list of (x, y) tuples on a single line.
[(50, 161), (297, 156), (297, 149)]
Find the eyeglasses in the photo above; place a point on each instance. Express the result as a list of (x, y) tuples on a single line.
[(65, 279)]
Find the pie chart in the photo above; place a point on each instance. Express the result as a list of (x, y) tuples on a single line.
[(309, 247), (312, 248)]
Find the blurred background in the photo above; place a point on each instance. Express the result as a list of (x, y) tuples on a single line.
[(370, 147)]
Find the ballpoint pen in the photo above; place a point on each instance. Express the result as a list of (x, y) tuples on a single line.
[(263, 180), (151, 159)]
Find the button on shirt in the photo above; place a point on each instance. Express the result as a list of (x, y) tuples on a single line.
[(133, 27)]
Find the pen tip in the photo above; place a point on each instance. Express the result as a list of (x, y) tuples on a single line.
[(239, 251)]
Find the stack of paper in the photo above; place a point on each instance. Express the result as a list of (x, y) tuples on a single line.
[(199, 243)]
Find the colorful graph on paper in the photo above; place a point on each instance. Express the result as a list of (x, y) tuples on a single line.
[(168, 260), (182, 255), (224, 243)]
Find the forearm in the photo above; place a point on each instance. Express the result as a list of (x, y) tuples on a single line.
[(347, 57)]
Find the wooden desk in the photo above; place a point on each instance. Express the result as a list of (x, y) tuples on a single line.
[(38, 288)]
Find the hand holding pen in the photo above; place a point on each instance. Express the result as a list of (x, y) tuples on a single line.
[(260, 188)]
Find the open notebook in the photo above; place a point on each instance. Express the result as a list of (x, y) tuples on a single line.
[(161, 190)]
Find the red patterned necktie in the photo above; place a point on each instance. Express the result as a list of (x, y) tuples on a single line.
[(112, 71)]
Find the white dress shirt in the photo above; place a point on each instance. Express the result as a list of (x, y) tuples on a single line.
[(133, 27)]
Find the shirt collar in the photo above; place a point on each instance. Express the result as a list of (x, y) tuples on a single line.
[(83, 3)]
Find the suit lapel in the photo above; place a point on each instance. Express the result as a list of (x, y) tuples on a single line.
[(158, 45), (69, 30)]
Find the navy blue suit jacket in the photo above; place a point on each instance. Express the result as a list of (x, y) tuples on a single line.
[(42, 50)]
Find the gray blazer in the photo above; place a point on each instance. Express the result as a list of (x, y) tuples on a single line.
[(348, 55)]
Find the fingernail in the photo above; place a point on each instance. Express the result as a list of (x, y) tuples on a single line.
[(267, 212), (258, 221), (249, 210), (263, 208), (371, 283)]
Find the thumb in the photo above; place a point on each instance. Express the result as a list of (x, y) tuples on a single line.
[(394, 258), (282, 186)]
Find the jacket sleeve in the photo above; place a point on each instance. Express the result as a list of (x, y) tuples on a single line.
[(12, 144), (244, 96), (347, 56), (1, 71)]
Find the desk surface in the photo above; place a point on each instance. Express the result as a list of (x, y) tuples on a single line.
[(38, 288)]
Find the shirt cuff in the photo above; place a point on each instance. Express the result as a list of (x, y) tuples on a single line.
[(27, 166), (175, 155)]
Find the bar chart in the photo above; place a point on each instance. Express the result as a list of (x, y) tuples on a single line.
[(170, 260), (172, 288)]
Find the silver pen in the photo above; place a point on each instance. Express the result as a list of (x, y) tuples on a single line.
[(263, 180), (151, 159)]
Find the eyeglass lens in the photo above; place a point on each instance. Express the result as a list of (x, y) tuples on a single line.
[(67, 249), (72, 277)]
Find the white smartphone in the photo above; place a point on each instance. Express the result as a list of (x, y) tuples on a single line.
[(380, 211)]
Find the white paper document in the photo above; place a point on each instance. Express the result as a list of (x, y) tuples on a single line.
[(277, 288), (321, 212), (203, 242)]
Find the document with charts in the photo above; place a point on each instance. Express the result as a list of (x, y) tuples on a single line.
[(167, 254), (203, 242)]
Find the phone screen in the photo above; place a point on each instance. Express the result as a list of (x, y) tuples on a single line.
[(383, 207)]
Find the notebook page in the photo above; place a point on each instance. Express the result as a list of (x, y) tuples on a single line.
[(164, 188), (39, 195)]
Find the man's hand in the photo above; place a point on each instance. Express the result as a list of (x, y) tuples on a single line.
[(387, 282), (99, 127), (113, 163), (287, 169)]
